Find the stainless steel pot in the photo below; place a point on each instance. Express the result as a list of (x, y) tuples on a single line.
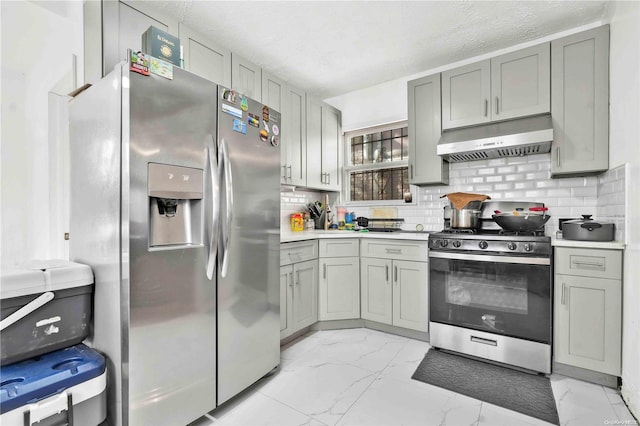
[(468, 217), (586, 229)]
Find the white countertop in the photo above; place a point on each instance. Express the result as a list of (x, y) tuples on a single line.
[(607, 245), (288, 236)]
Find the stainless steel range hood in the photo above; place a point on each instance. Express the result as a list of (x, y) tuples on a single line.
[(523, 136)]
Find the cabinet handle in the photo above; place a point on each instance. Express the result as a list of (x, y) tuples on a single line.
[(598, 265), (497, 106), (558, 155), (395, 274), (386, 269), (284, 172), (324, 271), (289, 167), (563, 294), (486, 107), (393, 251), (291, 280), (411, 170)]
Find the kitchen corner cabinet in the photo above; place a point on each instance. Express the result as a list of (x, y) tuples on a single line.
[(293, 151), (588, 309), (246, 77), (580, 103), (339, 282), (324, 130), (425, 113), (204, 57), (123, 24), (513, 85), (394, 282), (298, 286)]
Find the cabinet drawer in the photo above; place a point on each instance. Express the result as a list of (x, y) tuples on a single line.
[(298, 252), (339, 248), (589, 262), (393, 249)]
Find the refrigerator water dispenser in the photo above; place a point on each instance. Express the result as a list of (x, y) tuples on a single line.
[(175, 205)]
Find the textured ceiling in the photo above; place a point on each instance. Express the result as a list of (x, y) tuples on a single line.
[(330, 48)]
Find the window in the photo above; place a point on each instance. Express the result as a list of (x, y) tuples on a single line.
[(376, 166)]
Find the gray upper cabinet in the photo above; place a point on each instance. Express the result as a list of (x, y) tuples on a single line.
[(580, 103), (123, 26), (324, 129), (273, 91), (521, 83), (246, 77), (204, 57), (465, 95), (508, 86), (425, 166), (294, 141)]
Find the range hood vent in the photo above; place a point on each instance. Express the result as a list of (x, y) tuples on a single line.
[(514, 138)]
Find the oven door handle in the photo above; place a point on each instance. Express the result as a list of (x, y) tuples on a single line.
[(491, 258)]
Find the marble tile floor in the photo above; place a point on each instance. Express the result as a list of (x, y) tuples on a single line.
[(363, 377)]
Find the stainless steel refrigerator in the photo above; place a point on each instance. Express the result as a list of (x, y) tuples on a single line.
[(175, 204)]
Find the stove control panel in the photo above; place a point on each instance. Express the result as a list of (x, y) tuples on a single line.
[(514, 244)]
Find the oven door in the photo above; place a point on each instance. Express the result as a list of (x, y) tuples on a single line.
[(499, 294)]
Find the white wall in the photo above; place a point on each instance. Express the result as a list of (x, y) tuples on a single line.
[(625, 147), (38, 41)]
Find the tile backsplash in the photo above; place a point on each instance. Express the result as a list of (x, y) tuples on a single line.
[(525, 178)]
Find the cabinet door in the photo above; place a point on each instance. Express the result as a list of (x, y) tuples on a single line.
[(588, 323), (521, 83), (286, 284), (246, 77), (314, 144), (123, 26), (376, 289), (331, 135), (465, 95), (294, 149), (425, 165), (273, 92), (305, 290), (204, 57), (339, 288), (580, 102), (410, 295)]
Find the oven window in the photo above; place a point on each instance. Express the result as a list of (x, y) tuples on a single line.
[(502, 298)]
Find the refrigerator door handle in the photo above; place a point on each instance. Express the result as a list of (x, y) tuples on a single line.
[(215, 210), (223, 154)]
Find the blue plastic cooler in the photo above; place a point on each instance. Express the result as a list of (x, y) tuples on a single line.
[(71, 379)]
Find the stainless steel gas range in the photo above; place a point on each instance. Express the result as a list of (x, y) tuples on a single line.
[(490, 293)]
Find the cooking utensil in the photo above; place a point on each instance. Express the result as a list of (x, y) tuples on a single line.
[(587, 229), (465, 209), (520, 220)]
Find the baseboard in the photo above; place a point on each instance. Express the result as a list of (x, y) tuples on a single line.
[(404, 332), (586, 375), (356, 323), (338, 324)]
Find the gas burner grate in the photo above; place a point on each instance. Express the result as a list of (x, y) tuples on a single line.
[(536, 233), (459, 231)]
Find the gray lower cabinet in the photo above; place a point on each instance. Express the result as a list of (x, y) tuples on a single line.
[(512, 85), (588, 309), (339, 282), (394, 283), (204, 57), (123, 24), (246, 77), (425, 165), (298, 286), (580, 103)]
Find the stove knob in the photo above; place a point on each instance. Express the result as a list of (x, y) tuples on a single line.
[(444, 243), (528, 247), (457, 243), (435, 243), (511, 246), (483, 244)]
